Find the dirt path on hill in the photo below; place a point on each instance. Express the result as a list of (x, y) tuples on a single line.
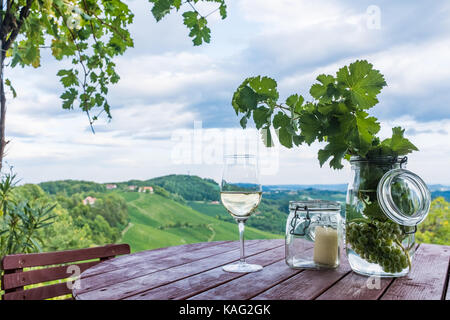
[(126, 228), (209, 226)]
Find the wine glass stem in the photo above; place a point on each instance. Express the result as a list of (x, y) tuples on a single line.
[(241, 224)]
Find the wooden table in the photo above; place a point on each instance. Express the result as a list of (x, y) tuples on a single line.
[(193, 271)]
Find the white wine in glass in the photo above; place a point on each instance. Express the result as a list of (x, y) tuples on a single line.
[(240, 204), (240, 192)]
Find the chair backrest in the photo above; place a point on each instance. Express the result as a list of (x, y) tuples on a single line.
[(14, 276)]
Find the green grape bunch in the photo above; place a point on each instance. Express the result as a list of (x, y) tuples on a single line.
[(379, 242)]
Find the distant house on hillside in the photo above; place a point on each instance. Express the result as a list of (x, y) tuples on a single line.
[(89, 200), (146, 189), (132, 188), (111, 186)]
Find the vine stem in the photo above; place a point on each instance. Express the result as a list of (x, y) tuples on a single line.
[(360, 220), (362, 198), (405, 251), (80, 59)]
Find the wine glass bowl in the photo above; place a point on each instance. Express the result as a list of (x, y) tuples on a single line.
[(240, 193)]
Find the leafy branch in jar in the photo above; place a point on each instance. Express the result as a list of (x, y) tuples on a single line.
[(337, 115)]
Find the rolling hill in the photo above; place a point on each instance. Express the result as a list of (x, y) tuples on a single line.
[(156, 221), (189, 187)]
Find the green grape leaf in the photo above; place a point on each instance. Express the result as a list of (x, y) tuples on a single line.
[(361, 83), (373, 210), (264, 87), (261, 117), (310, 127), (68, 77), (68, 98), (32, 56), (324, 91), (223, 10), (162, 7), (198, 27), (325, 109), (190, 18), (336, 149), (398, 143), (252, 91), (295, 103), (284, 137), (244, 99), (281, 120), (266, 136), (298, 139), (243, 122), (282, 124), (367, 127), (9, 85), (177, 4)]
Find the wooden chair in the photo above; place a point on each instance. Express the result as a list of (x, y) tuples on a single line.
[(14, 277)]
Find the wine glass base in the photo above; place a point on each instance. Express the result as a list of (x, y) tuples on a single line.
[(242, 267)]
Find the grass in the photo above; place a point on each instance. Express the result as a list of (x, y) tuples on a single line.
[(209, 209)]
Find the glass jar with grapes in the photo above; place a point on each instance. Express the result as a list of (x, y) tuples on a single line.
[(385, 203)]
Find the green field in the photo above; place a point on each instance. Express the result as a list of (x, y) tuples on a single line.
[(156, 222), (212, 210)]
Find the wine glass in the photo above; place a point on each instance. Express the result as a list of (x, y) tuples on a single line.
[(240, 192)]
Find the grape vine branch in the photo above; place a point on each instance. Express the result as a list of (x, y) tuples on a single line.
[(90, 34)]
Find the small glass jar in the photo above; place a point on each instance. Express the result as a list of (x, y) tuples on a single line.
[(313, 234)]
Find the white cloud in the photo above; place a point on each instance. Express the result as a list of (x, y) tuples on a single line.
[(303, 34), (415, 68), (432, 139), (287, 15), (419, 70), (181, 76)]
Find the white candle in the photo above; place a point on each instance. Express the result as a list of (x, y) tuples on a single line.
[(326, 246)]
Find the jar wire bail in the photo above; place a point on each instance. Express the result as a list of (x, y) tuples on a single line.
[(409, 232), (403, 161), (296, 217)]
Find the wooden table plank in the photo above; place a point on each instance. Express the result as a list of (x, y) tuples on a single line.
[(195, 284), (159, 253), (139, 284), (148, 263), (427, 278), (357, 287), (306, 285), (250, 285)]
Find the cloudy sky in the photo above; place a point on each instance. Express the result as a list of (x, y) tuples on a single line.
[(171, 109)]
